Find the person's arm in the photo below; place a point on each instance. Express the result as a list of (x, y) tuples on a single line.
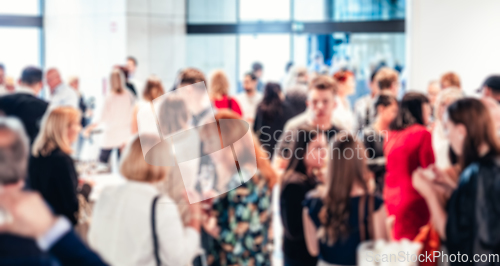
[(70, 250), (64, 187), (436, 206), (380, 223), (32, 218), (135, 127), (310, 233), (178, 245), (292, 210), (236, 107), (425, 153)]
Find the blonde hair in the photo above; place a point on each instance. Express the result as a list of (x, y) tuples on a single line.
[(444, 99), (54, 131), (219, 84), (117, 81), (385, 77), (134, 167)]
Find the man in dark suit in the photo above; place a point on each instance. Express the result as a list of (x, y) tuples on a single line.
[(29, 233), (24, 104)]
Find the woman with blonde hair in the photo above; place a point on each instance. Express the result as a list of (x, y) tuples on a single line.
[(116, 117), (219, 93), (152, 90), (440, 143), (134, 224), (51, 168)]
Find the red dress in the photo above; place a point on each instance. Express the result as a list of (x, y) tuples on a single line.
[(228, 103), (405, 151)]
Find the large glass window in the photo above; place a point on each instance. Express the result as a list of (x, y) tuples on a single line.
[(311, 33), (20, 47), (271, 50), (20, 7), (213, 11), (264, 10), (209, 52)]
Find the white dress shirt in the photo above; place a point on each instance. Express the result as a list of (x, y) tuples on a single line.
[(249, 104), (64, 96), (121, 228)]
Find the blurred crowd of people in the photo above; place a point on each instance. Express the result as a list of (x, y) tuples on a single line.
[(423, 167)]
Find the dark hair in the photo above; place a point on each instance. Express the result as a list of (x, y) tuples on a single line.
[(375, 71), (251, 75), (271, 104), (2, 66), (124, 71), (476, 118), (343, 174), (410, 111), (323, 83), (256, 67), (133, 59), (301, 139), (31, 75), (384, 100)]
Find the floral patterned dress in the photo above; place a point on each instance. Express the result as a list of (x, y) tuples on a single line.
[(244, 218)]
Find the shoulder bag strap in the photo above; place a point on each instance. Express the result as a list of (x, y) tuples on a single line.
[(155, 236)]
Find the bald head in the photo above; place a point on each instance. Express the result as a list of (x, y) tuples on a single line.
[(14, 151), (53, 79)]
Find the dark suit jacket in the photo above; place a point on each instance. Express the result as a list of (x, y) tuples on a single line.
[(68, 251), (55, 177), (28, 108)]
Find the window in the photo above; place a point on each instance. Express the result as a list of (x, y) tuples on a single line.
[(20, 30), (358, 34), (20, 47)]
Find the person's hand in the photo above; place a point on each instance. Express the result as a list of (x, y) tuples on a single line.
[(210, 226), (86, 132), (422, 182), (31, 217)]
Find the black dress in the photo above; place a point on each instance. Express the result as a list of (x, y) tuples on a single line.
[(473, 227), (343, 251), (55, 177), (374, 144), (269, 128), (293, 192)]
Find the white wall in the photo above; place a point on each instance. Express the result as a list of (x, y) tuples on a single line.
[(85, 38), (88, 37), (452, 35)]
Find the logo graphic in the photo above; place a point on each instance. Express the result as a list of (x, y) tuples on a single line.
[(179, 130)]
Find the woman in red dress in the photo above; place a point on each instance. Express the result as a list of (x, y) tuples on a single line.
[(219, 93), (408, 147)]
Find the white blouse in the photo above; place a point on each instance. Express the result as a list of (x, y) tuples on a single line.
[(116, 118), (121, 228)]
